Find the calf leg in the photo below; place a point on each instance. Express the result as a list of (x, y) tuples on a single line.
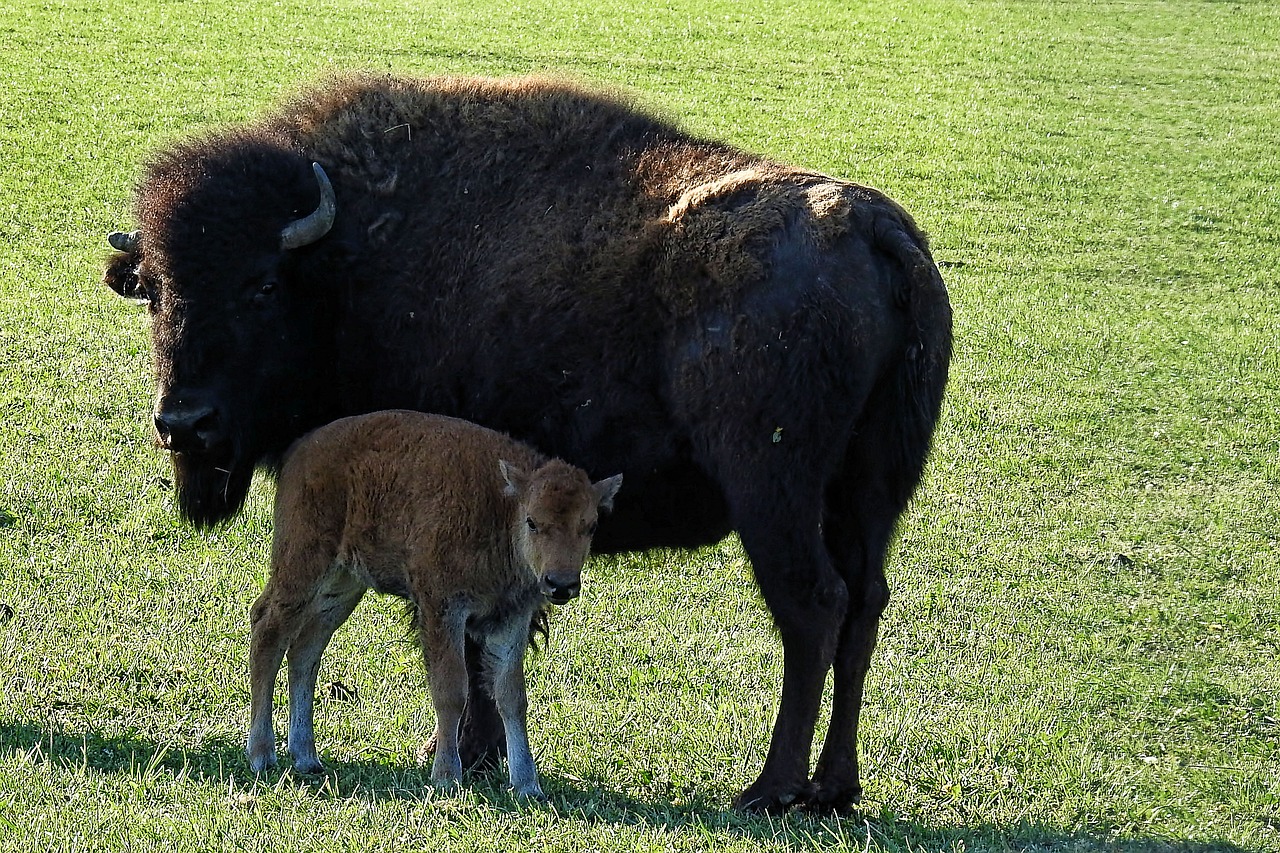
[(332, 604), (271, 634), (302, 567), (505, 651), (443, 643), (480, 741)]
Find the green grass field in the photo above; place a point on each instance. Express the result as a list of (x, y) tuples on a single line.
[(1082, 648)]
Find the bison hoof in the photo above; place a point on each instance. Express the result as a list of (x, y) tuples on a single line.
[(829, 800), (767, 798)]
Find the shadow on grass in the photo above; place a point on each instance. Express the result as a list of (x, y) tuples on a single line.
[(222, 762)]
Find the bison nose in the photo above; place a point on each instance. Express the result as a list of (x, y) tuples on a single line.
[(562, 587), (192, 428)]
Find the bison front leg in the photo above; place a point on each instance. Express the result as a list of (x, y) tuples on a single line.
[(481, 742)]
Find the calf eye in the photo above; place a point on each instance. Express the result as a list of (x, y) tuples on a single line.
[(533, 527)]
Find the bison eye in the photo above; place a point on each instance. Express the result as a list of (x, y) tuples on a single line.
[(265, 292), (532, 527)]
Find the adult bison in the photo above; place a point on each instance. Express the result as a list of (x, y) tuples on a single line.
[(758, 348)]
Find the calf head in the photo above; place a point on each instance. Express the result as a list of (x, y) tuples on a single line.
[(557, 507)]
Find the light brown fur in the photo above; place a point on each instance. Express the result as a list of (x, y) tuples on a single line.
[(475, 529)]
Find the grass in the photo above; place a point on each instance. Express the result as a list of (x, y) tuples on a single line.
[(1081, 651)]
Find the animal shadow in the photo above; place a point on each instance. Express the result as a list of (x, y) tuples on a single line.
[(222, 762)]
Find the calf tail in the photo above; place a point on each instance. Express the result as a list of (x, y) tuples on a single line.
[(922, 375)]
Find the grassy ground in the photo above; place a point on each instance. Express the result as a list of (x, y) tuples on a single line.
[(1082, 647)]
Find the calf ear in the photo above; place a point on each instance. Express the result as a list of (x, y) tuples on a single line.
[(121, 275), (515, 478), (605, 490)]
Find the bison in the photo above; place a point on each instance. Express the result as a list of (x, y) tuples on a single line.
[(476, 530), (757, 348)]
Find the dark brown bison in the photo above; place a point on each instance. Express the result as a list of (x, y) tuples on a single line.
[(758, 348)]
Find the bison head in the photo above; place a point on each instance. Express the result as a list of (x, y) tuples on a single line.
[(227, 258)]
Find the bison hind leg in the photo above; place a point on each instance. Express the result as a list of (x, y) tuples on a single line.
[(807, 600), (482, 742), (864, 502), (857, 530)]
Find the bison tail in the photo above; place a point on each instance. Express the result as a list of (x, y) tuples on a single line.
[(922, 376)]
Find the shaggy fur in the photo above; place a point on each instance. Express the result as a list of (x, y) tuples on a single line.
[(478, 531), (757, 347)]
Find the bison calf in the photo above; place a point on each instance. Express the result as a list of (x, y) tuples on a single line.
[(476, 530)]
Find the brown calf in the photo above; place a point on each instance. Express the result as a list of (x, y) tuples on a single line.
[(476, 530)]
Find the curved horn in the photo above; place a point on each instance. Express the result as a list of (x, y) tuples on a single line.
[(310, 228), (122, 242)]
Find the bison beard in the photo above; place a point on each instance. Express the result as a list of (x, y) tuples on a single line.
[(209, 492), (756, 347)]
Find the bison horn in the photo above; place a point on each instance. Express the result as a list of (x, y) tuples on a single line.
[(123, 242), (310, 228)]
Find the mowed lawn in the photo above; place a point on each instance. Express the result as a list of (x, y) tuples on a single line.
[(1081, 648)]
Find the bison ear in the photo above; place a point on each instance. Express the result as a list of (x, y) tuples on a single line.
[(605, 491), (516, 479), (121, 275)]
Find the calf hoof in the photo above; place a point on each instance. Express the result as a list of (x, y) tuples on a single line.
[(308, 766), (769, 798), (446, 771), (531, 792), (445, 783), (474, 755), (261, 761)]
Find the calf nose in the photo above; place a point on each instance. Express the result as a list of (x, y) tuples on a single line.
[(562, 587), (191, 428)]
